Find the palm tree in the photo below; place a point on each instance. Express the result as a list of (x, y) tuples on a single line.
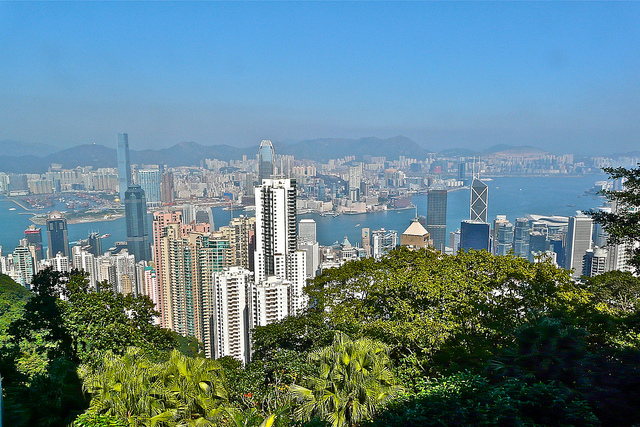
[(196, 384), (353, 378)]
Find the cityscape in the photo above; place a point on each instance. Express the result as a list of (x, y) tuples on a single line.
[(319, 214)]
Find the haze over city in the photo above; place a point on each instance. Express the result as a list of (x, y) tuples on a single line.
[(559, 76)]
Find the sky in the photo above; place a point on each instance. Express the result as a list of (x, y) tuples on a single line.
[(562, 76)]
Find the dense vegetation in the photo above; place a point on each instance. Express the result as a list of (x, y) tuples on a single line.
[(415, 339)]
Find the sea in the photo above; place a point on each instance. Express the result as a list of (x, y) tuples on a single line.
[(511, 196)]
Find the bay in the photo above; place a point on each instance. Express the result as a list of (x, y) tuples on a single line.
[(511, 196)]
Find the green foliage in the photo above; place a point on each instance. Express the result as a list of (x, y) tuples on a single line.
[(440, 312), (351, 379), (623, 225), (133, 388), (93, 420), (465, 399)]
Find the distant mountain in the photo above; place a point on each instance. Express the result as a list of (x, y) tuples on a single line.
[(9, 147), (190, 153), (628, 154), (323, 149)]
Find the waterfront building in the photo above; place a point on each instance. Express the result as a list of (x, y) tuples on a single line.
[(502, 235), (136, 217), (266, 160), (150, 181), (521, 238), (95, 243), (307, 230), (355, 179), (594, 262), (231, 314), (57, 235), (479, 200), (383, 241), (578, 242), (474, 235), (416, 236), (124, 165), (34, 238), (437, 217)]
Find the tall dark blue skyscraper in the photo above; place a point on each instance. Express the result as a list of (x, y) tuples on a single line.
[(124, 165), (474, 235), (266, 160), (437, 217), (58, 238), (135, 207)]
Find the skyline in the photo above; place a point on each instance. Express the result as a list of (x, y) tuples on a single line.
[(559, 76)]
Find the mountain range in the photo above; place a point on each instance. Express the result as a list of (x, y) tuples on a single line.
[(190, 153)]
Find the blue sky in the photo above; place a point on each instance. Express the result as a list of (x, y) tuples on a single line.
[(561, 76)]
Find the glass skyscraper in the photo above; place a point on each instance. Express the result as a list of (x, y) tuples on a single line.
[(150, 181), (437, 217), (474, 235), (58, 239), (135, 207), (266, 159), (124, 165), (479, 200)]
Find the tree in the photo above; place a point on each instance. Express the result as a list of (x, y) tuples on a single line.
[(352, 378), (623, 223)]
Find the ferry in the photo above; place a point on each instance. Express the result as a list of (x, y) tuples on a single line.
[(12, 209)]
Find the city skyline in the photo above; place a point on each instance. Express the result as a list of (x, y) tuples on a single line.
[(552, 75)]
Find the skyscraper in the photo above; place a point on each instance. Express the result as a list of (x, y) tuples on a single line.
[(57, 236), (307, 230), (437, 217), (23, 264), (521, 238), (266, 160), (135, 207), (150, 181), (474, 235), (124, 165), (502, 235), (479, 200), (578, 242), (34, 238)]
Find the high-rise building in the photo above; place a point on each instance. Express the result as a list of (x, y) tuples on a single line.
[(521, 238), (307, 230), (502, 235), (276, 226), (437, 217), (474, 235), (34, 238), (124, 165), (479, 200), (578, 242), (84, 260), (95, 243), (383, 241), (24, 267), (136, 215), (150, 181), (269, 301), (266, 160), (231, 313), (355, 179), (595, 262), (167, 192), (366, 240), (241, 234), (57, 235)]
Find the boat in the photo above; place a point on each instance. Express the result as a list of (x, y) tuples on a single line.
[(104, 236), (12, 209), (357, 225)]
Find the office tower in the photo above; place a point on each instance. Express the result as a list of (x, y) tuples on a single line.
[(231, 314), (578, 242), (595, 262), (437, 217), (24, 267), (167, 191), (95, 244), (355, 179), (538, 242), (307, 230), (454, 241), (124, 165), (266, 159), (474, 235), (366, 241), (58, 239), (521, 238), (34, 238), (150, 181), (241, 234), (479, 200), (557, 245), (312, 251), (383, 242), (416, 236), (84, 260), (135, 207), (462, 171), (502, 235), (276, 226)]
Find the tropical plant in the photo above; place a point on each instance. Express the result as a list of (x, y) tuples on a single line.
[(352, 378)]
